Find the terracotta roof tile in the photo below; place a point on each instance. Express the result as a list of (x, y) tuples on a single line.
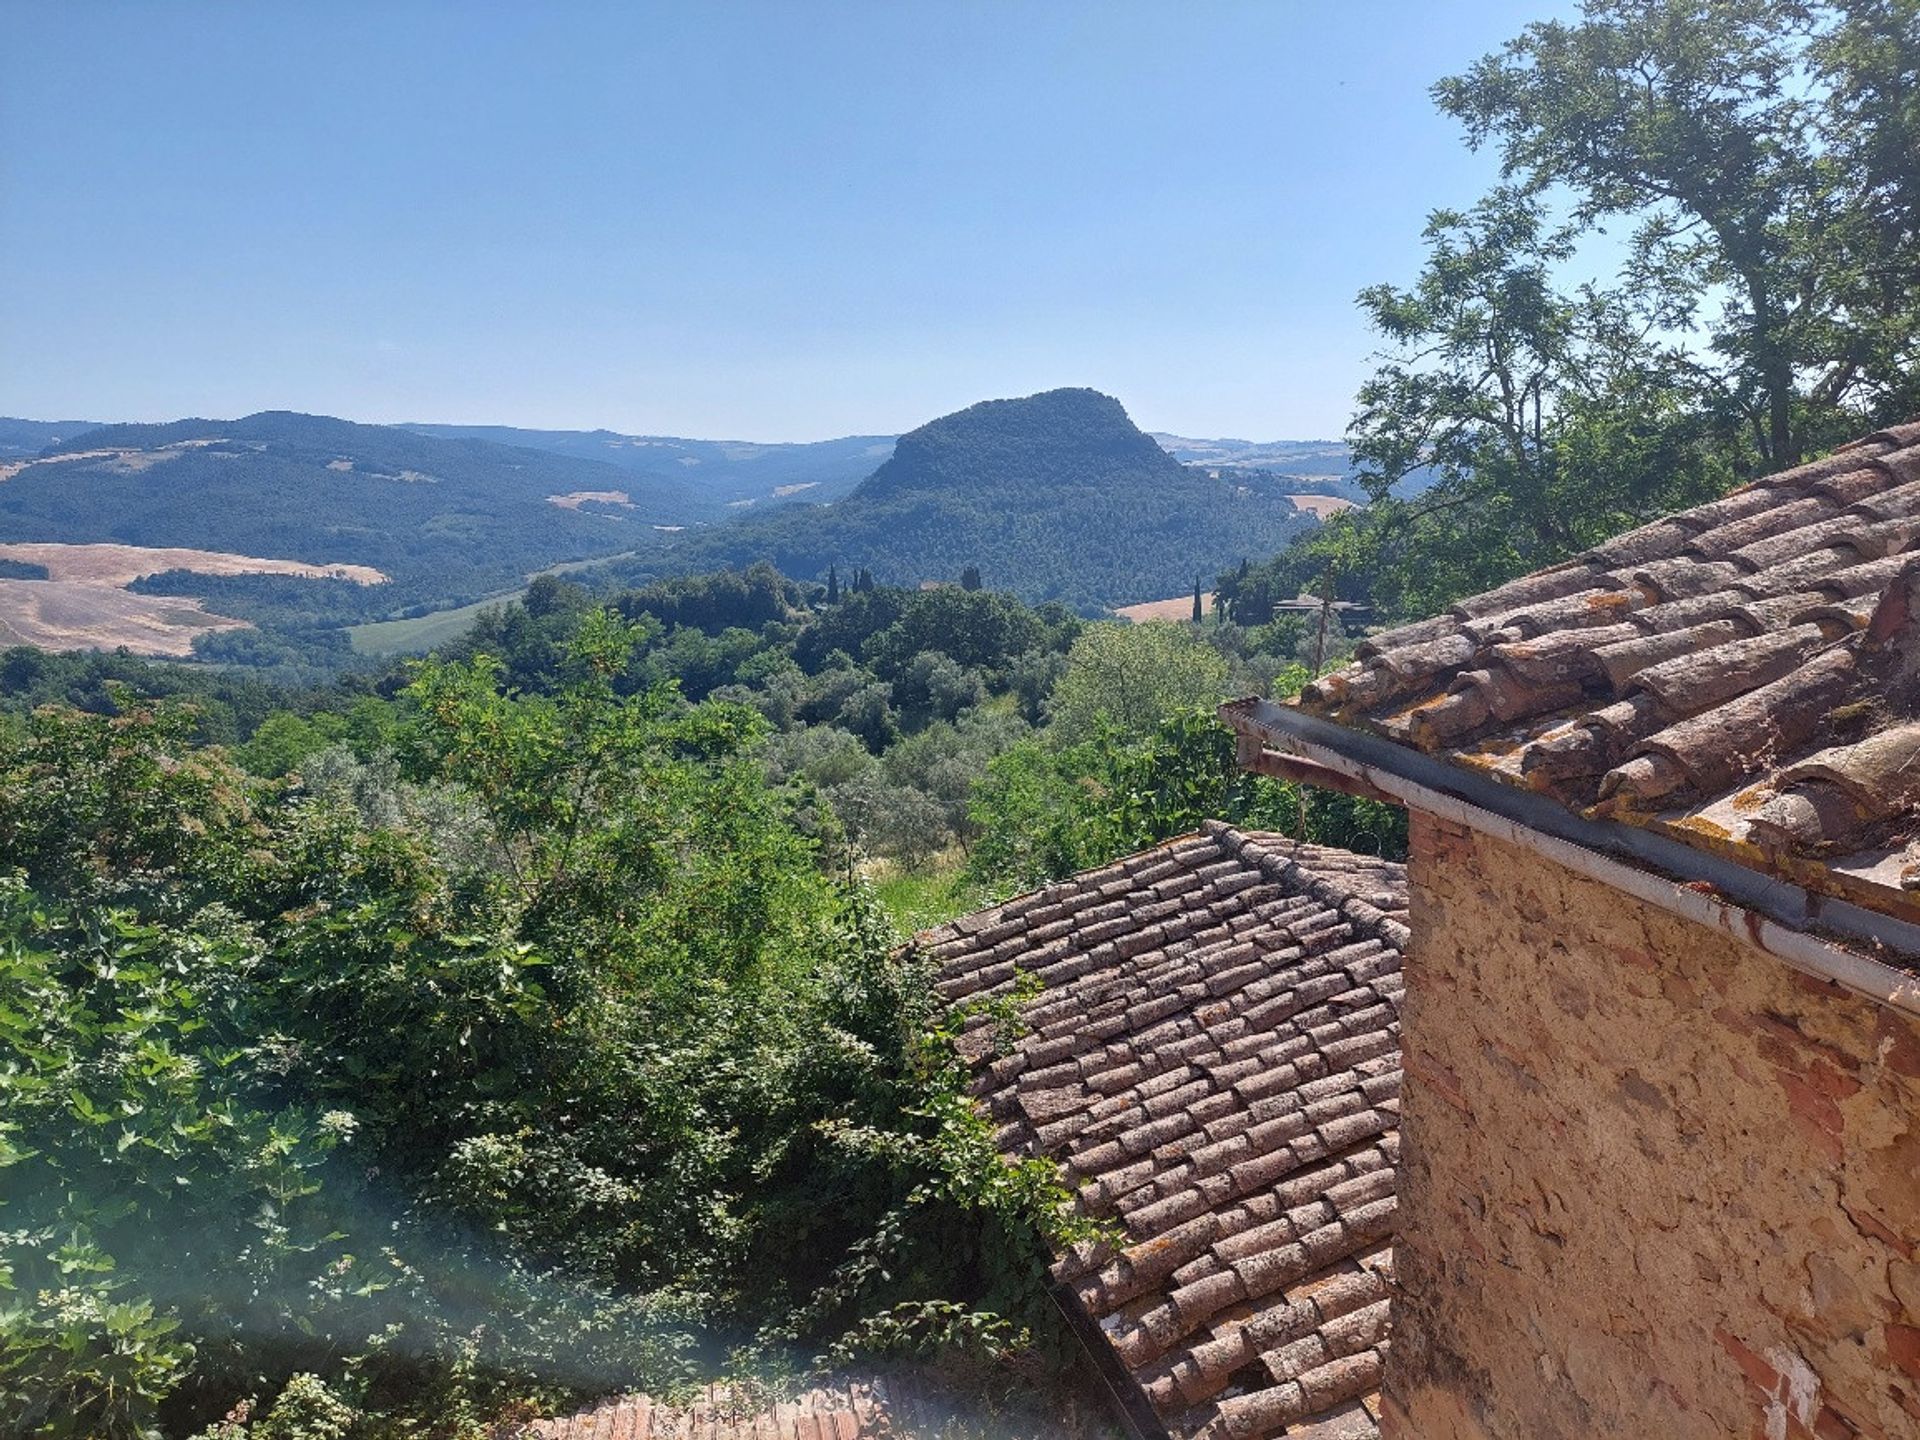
[(852, 1410), (1238, 1114), (1743, 677)]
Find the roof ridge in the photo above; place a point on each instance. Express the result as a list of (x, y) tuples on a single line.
[(975, 921), (1367, 918)]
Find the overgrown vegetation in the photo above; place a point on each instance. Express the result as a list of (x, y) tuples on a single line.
[(522, 1023), (1761, 159), (396, 1054), (544, 1058)]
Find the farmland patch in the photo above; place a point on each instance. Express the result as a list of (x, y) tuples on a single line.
[(83, 603), (1320, 506)]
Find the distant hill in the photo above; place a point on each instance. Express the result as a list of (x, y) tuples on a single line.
[(742, 473), (448, 520), (1290, 457), (1058, 496), (1325, 466), (729, 473), (20, 438)]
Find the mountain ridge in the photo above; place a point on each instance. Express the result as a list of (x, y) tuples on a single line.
[(22, 439), (728, 472), (841, 456), (449, 520)]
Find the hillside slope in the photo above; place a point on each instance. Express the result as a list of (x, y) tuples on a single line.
[(449, 520), (1287, 457), (1058, 496), (23, 439)]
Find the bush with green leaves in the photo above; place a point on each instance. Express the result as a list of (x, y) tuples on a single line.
[(1044, 812), (293, 1084), (1123, 680)]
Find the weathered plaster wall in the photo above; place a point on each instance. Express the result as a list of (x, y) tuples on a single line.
[(1654, 1183)]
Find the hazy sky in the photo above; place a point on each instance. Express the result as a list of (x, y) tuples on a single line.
[(755, 220)]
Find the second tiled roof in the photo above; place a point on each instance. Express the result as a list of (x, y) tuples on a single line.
[(852, 1410), (1213, 1056)]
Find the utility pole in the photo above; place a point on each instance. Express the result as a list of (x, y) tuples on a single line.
[(1319, 659), (1326, 606)]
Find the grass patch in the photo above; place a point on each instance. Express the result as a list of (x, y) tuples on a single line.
[(421, 633), (919, 899)]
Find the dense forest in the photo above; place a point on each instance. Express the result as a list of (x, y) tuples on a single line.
[(415, 1050), (890, 707)]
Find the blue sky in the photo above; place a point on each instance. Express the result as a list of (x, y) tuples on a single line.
[(755, 220)]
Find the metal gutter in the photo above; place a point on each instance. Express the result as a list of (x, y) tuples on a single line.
[(1759, 909)]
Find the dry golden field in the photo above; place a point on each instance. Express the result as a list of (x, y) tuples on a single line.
[(84, 605), (1180, 607), (1320, 506)]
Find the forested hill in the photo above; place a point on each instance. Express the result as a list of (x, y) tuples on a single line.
[(20, 439), (1058, 496), (735, 473), (1060, 441), (448, 520)]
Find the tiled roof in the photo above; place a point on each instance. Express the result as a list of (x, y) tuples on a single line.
[(856, 1410), (1214, 1059), (1742, 676)]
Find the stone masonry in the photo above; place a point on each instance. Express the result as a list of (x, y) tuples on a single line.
[(1656, 1185)]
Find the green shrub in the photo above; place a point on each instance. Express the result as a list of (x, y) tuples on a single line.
[(290, 1085)]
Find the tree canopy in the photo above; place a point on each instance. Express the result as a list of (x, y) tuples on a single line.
[(1529, 401), (1128, 678)]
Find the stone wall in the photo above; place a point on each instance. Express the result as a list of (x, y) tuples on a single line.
[(1655, 1184)]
